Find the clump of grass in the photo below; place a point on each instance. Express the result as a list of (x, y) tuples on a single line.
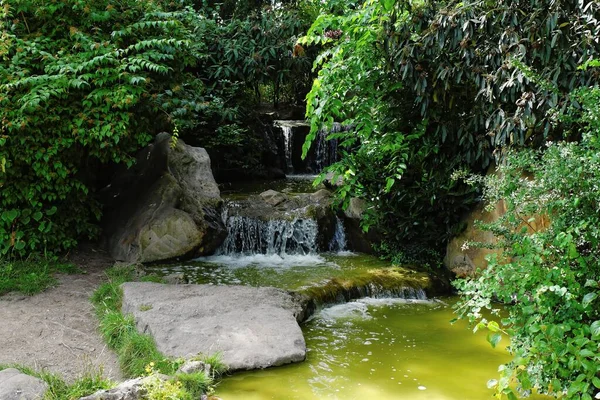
[(31, 276), (58, 389), (137, 351), (196, 383), (217, 366)]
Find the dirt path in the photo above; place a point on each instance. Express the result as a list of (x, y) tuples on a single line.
[(57, 330)]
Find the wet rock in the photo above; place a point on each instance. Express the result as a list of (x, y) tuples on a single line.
[(273, 197), (15, 385), (192, 366), (166, 206), (252, 327)]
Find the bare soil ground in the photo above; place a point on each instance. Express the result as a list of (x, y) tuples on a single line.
[(57, 330)]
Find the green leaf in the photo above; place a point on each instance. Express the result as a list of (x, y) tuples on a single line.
[(595, 328), (494, 339), (10, 216), (51, 211), (588, 298), (493, 326)]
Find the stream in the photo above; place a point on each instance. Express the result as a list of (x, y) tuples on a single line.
[(383, 339)]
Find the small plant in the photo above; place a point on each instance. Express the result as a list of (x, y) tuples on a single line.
[(158, 388)]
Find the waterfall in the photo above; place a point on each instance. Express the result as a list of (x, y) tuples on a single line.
[(338, 242), (287, 143), (322, 154), (326, 152), (248, 236)]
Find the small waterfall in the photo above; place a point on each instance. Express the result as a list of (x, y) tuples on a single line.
[(338, 242), (326, 152), (287, 143), (249, 236), (322, 154)]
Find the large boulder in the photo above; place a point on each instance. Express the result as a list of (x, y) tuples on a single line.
[(166, 206), (15, 385), (251, 327)]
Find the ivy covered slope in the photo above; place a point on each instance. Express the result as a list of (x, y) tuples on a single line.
[(429, 87), (81, 84)]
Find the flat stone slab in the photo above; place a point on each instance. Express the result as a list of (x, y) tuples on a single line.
[(15, 385), (251, 327)]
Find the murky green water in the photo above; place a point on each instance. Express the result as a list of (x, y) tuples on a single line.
[(378, 350), (290, 272), (293, 185)]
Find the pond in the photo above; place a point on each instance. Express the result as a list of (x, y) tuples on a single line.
[(380, 349)]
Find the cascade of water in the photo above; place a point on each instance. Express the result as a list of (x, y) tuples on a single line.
[(287, 142), (338, 241), (326, 151), (248, 236)]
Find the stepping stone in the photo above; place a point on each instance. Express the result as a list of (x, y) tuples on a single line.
[(251, 327)]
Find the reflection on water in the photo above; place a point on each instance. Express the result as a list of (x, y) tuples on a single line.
[(380, 349)]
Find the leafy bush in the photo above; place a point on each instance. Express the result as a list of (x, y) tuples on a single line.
[(551, 276), (391, 157), (83, 83), (432, 86)]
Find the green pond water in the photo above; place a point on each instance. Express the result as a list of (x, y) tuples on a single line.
[(365, 349), (290, 272), (292, 185), (373, 349)]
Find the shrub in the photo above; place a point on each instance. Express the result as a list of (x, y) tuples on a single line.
[(550, 277)]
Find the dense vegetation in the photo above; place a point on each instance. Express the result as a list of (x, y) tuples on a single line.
[(84, 85), (551, 276), (434, 86), (426, 88)]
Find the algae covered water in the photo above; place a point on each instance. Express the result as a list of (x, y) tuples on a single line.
[(380, 349)]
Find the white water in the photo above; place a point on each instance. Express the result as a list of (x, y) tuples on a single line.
[(338, 242), (359, 309), (250, 236), (274, 261)]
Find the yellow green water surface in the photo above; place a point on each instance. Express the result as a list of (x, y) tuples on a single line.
[(380, 349)]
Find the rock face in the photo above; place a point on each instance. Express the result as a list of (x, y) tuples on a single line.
[(357, 239), (251, 327), (465, 260), (166, 206), (15, 385)]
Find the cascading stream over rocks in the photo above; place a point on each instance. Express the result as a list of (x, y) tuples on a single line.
[(248, 236)]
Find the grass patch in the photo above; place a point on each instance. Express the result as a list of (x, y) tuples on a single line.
[(137, 352), (58, 389), (31, 276)]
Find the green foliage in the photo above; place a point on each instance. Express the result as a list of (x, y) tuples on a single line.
[(83, 83), (31, 276), (392, 157), (550, 276), (427, 87), (89, 383)]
